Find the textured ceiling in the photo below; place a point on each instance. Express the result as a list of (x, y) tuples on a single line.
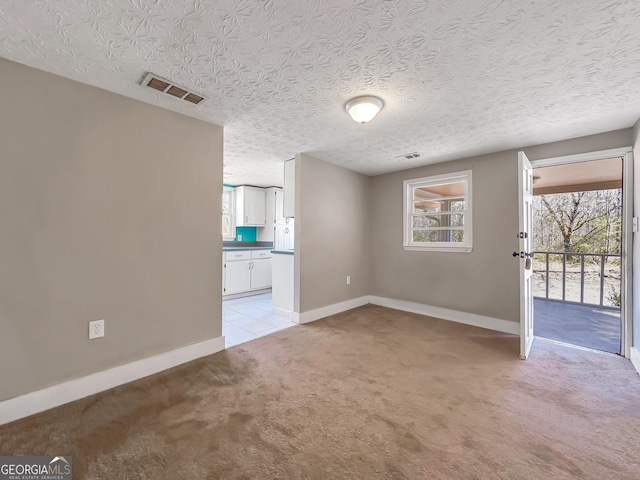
[(458, 77)]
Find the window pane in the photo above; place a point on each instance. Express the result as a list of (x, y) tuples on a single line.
[(226, 203), (426, 206), (457, 235), (455, 189), (448, 235), (456, 206), (442, 220), (226, 225), (425, 236)]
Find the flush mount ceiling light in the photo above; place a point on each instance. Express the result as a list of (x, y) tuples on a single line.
[(363, 109)]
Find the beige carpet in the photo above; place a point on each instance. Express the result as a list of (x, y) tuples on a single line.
[(369, 394)]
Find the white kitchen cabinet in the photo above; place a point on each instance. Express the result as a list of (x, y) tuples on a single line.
[(284, 237), (279, 208), (273, 205), (290, 188), (237, 276), (283, 279), (260, 273), (246, 270), (250, 206)]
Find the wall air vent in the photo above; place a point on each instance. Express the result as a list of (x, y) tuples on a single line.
[(165, 86), (408, 156)]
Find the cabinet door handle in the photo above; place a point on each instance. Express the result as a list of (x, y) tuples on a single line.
[(246, 219)]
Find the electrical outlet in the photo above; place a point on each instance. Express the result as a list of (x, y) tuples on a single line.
[(96, 329), (239, 238), (348, 279)]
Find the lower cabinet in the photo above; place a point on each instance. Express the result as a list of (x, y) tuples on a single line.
[(260, 274), (246, 270), (283, 237)]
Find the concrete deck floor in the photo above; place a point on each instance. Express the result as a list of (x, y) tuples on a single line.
[(586, 326)]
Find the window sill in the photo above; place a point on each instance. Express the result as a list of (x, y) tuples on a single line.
[(460, 249)]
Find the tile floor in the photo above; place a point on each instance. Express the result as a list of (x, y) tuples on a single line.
[(247, 318)]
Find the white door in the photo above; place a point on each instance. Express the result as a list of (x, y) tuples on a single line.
[(261, 273), (525, 242), (237, 277)]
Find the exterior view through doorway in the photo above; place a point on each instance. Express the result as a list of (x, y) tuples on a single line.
[(580, 237)]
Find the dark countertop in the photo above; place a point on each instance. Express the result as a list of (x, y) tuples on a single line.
[(282, 252), (235, 246)]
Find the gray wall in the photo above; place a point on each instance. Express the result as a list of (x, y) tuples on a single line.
[(636, 238), (110, 211), (332, 233), (483, 282)]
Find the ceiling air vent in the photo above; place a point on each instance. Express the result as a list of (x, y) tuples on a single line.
[(408, 156), (165, 86)]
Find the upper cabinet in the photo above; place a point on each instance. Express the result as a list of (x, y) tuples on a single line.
[(279, 208), (250, 207), (290, 188), (273, 204)]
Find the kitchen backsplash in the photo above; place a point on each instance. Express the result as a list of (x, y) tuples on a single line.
[(248, 234)]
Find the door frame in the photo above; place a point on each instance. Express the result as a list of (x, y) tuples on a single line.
[(627, 228)]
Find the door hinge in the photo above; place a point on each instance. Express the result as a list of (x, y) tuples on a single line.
[(522, 235)]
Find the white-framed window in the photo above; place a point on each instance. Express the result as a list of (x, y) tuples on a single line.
[(438, 214), (228, 217)]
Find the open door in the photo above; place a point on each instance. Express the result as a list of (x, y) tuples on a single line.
[(525, 241)]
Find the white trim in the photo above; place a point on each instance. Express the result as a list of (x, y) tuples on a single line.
[(576, 347), (452, 248), (282, 311), (35, 402), (582, 157), (635, 358), (248, 293), (312, 315), (626, 282), (467, 318)]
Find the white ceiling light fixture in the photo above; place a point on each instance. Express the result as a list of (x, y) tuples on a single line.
[(364, 109)]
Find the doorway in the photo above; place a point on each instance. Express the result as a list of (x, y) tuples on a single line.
[(581, 249), (577, 244)]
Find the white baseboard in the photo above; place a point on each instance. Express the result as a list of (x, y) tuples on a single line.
[(635, 358), (56, 395), (249, 293), (282, 311), (447, 314), (312, 315)]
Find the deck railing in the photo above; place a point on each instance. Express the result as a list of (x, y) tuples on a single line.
[(565, 255)]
